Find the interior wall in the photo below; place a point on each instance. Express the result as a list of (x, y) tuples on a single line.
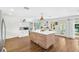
[(12, 26), (77, 21)]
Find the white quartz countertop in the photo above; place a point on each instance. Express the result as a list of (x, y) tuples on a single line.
[(47, 32)]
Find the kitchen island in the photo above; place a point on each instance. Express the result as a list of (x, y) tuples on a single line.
[(44, 39)]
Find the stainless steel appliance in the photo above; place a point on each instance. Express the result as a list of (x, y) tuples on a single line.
[(2, 34)]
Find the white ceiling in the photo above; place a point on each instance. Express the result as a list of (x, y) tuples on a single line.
[(36, 12)]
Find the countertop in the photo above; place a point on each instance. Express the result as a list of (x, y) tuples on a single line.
[(47, 32), (44, 32)]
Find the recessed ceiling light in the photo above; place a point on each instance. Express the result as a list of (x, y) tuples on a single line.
[(12, 9)]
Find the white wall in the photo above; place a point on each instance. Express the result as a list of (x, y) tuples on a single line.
[(12, 24)]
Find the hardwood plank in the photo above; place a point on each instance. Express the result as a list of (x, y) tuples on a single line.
[(24, 44)]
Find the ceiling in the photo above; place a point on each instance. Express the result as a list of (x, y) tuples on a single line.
[(36, 12)]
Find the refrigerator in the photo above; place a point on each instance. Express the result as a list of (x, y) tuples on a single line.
[(2, 32)]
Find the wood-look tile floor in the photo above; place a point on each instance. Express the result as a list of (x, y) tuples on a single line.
[(24, 44), (18, 44)]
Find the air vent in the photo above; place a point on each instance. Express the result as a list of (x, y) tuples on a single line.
[(27, 8)]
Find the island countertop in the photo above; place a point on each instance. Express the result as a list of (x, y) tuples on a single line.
[(46, 32)]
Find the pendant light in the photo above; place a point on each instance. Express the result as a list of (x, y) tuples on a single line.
[(41, 18)]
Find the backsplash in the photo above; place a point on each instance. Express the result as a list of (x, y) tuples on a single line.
[(43, 25)]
